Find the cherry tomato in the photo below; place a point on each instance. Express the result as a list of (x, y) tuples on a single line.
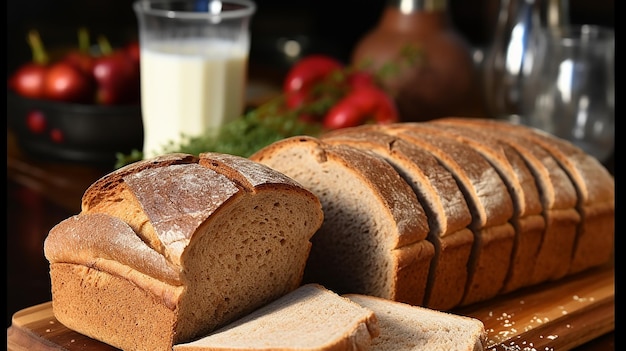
[(367, 104), (308, 71)]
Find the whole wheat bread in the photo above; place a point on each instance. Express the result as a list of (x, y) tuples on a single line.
[(373, 237), (310, 318), (405, 327), (489, 201), (443, 201), (166, 250), (527, 220)]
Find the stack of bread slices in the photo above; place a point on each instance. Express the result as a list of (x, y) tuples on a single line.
[(499, 207)]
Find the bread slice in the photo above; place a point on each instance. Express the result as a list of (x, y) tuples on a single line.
[(373, 237), (412, 328), (443, 201), (488, 199), (309, 318), (527, 219), (167, 249)]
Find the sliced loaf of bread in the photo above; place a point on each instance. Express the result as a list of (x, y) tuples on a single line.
[(443, 201), (405, 327), (595, 189), (558, 194), (527, 219), (488, 199), (309, 318), (372, 240)]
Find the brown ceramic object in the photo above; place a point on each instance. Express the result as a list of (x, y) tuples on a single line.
[(444, 83)]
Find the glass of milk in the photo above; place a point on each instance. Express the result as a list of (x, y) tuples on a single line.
[(194, 57)]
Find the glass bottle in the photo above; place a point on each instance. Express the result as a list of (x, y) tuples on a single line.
[(509, 59), (442, 81)]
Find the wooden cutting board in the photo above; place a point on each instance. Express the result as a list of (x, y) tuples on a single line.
[(553, 316)]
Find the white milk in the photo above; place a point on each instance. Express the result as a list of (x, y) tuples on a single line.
[(189, 94)]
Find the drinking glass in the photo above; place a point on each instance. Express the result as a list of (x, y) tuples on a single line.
[(570, 91), (194, 56)]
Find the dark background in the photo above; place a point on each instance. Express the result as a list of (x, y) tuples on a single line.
[(330, 26)]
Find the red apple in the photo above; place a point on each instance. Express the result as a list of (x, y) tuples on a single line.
[(65, 82), (133, 50), (117, 77), (28, 80), (82, 60)]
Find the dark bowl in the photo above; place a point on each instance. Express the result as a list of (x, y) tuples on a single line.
[(78, 133)]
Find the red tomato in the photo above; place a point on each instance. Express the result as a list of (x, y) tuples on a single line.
[(360, 106), (308, 71)]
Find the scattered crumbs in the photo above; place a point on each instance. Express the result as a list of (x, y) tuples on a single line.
[(72, 340), (508, 323), (564, 312), (50, 322), (48, 330), (490, 314), (552, 337), (504, 316), (521, 302), (583, 299), (568, 325)]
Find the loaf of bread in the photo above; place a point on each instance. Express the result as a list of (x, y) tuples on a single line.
[(309, 318), (168, 249), (539, 207)]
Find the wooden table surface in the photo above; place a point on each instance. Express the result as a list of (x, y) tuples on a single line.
[(41, 194)]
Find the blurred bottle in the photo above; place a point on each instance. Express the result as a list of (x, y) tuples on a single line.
[(509, 58), (443, 79)]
